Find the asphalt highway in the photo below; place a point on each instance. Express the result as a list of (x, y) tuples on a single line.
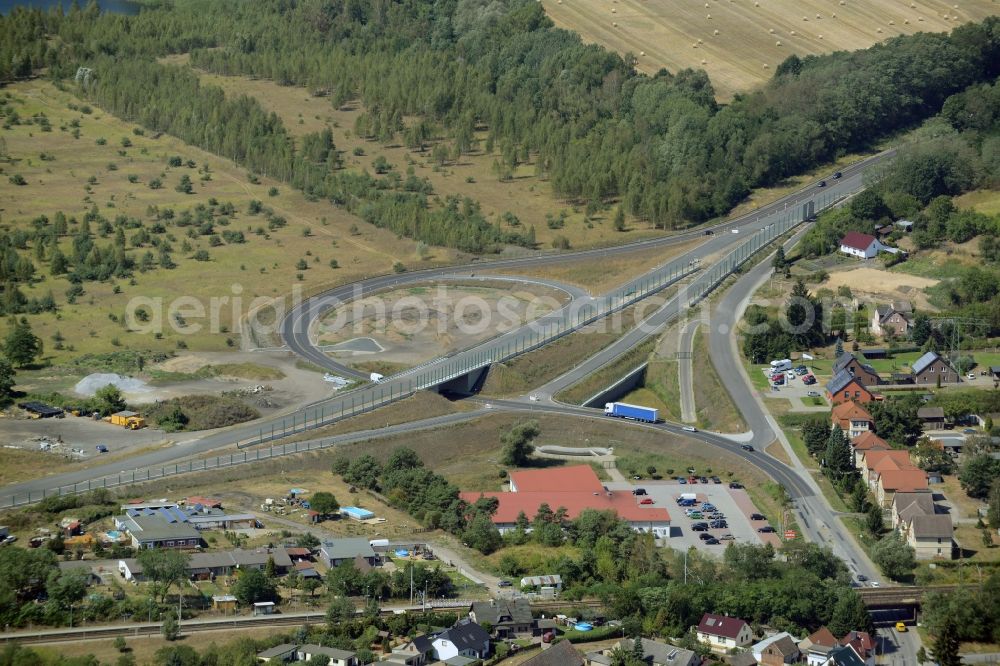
[(296, 326)]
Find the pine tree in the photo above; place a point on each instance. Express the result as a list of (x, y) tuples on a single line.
[(874, 521), (6, 380), (638, 653), (21, 345), (837, 457), (779, 259), (946, 644)]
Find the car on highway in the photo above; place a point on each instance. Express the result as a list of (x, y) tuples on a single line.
[(747, 447), (757, 516), (647, 500), (690, 429), (813, 394), (901, 627), (709, 232), (767, 529), (821, 183), (735, 231), (837, 175), (533, 398)]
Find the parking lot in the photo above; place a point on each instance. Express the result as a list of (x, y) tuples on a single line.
[(735, 504)]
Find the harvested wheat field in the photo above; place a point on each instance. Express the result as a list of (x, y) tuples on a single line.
[(740, 42)]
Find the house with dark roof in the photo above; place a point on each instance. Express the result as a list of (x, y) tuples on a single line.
[(507, 617), (862, 246), (337, 551), (931, 367), (466, 638), (415, 652), (852, 418), (278, 654), (723, 633), (335, 656), (780, 652), (931, 535), (844, 655), (844, 386), (863, 371), (558, 654), (906, 506), (655, 653), (931, 418), (863, 644), (892, 319)]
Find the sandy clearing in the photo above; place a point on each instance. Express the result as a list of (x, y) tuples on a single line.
[(883, 285)]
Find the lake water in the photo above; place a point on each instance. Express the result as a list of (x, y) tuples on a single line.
[(113, 6)]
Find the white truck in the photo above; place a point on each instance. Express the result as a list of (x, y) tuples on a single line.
[(782, 365)]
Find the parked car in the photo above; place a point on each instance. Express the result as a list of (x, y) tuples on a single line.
[(708, 506), (813, 394), (639, 491), (757, 516), (971, 375), (504, 583), (702, 479), (901, 627), (636, 477), (692, 479), (699, 527), (716, 479), (874, 583), (969, 431), (767, 529), (734, 485), (681, 480), (712, 542), (696, 515), (709, 232), (746, 447), (809, 380), (101, 448), (646, 500), (704, 536), (862, 578), (726, 537), (801, 370), (718, 524)]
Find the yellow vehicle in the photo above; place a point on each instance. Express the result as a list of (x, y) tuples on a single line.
[(901, 627)]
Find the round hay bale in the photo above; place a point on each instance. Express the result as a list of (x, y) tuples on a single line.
[(704, 62), (709, 16), (833, 15), (715, 32), (805, 18), (892, 23), (642, 53), (765, 65), (955, 6), (820, 36), (614, 25), (842, 3), (756, 4), (771, 31), (706, 5), (920, 18), (913, 5), (818, 16), (879, 31), (777, 43), (701, 41), (793, 33), (906, 21), (695, 45)]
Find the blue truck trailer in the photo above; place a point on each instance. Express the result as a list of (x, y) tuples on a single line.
[(626, 411)]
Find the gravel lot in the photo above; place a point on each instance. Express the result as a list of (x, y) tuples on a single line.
[(735, 504)]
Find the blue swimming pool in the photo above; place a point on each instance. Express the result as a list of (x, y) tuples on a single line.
[(583, 626)]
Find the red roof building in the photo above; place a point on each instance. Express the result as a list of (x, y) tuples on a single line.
[(723, 633), (575, 489), (857, 244)]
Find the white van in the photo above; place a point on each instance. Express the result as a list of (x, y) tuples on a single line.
[(781, 366)]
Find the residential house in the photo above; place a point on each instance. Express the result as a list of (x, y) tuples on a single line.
[(776, 650), (466, 638), (723, 633), (863, 371), (224, 602), (336, 552), (506, 617), (278, 654), (559, 654), (863, 644), (655, 653), (877, 461), (892, 319), (208, 566), (931, 418), (895, 481), (844, 655), (862, 246), (154, 532), (931, 367), (817, 646), (741, 659), (575, 488), (844, 386), (336, 656), (867, 441), (415, 652), (551, 582), (169, 525), (852, 418), (906, 505)]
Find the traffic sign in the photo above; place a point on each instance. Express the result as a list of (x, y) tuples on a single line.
[(790, 534)]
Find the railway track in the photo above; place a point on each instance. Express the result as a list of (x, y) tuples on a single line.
[(239, 622)]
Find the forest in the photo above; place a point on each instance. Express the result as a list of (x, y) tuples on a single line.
[(464, 69)]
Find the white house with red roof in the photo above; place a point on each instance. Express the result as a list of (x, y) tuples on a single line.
[(575, 488), (723, 633), (863, 246)]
